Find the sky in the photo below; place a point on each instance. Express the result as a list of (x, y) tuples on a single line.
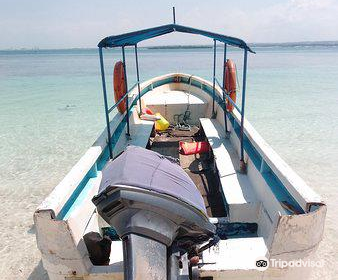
[(82, 23)]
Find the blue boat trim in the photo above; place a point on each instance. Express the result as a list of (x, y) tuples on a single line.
[(78, 200), (79, 194)]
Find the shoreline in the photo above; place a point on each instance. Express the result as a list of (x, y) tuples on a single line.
[(302, 44)]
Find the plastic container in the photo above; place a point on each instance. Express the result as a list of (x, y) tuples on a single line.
[(147, 111), (161, 124)]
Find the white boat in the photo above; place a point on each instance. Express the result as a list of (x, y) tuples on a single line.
[(256, 212)]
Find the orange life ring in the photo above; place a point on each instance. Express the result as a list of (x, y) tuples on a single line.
[(119, 86), (230, 82)]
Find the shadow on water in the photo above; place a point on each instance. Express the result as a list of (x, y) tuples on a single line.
[(39, 273)]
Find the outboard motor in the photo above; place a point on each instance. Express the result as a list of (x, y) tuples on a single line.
[(156, 210)]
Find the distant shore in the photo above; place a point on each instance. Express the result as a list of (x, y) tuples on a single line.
[(179, 47), (267, 45), (209, 46), (298, 44)]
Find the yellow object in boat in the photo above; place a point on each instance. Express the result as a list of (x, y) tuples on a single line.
[(162, 123)]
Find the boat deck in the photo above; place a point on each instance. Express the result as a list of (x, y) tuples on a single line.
[(199, 167)]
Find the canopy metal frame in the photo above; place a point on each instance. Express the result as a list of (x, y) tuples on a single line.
[(132, 39)]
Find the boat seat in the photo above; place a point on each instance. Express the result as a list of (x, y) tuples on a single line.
[(234, 258), (139, 131), (238, 192)]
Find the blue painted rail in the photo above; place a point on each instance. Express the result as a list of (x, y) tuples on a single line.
[(227, 96), (121, 99)]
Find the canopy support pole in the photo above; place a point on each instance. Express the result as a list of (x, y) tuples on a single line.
[(213, 85), (242, 163), (224, 79), (174, 16), (126, 89), (138, 80), (105, 103)]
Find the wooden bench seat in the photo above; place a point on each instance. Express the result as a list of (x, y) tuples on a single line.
[(236, 187), (139, 131)]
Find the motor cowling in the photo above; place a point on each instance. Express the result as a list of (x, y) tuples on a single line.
[(152, 204)]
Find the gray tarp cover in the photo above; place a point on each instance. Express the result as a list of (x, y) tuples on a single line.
[(139, 167)]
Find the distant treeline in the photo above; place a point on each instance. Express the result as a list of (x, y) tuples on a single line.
[(173, 47), (298, 44), (180, 47), (268, 45)]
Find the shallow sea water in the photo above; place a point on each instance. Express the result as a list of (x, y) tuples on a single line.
[(51, 111)]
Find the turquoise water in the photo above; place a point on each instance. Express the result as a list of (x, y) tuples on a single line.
[(51, 111)]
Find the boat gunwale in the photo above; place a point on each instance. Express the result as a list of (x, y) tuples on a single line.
[(296, 186)]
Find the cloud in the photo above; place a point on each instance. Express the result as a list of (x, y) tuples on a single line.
[(293, 20), (84, 24)]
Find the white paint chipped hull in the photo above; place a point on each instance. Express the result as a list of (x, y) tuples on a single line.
[(68, 213)]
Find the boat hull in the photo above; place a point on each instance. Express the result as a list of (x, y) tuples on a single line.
[(259, 196)]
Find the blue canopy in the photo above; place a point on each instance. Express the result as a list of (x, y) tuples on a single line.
[(132, 38)]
